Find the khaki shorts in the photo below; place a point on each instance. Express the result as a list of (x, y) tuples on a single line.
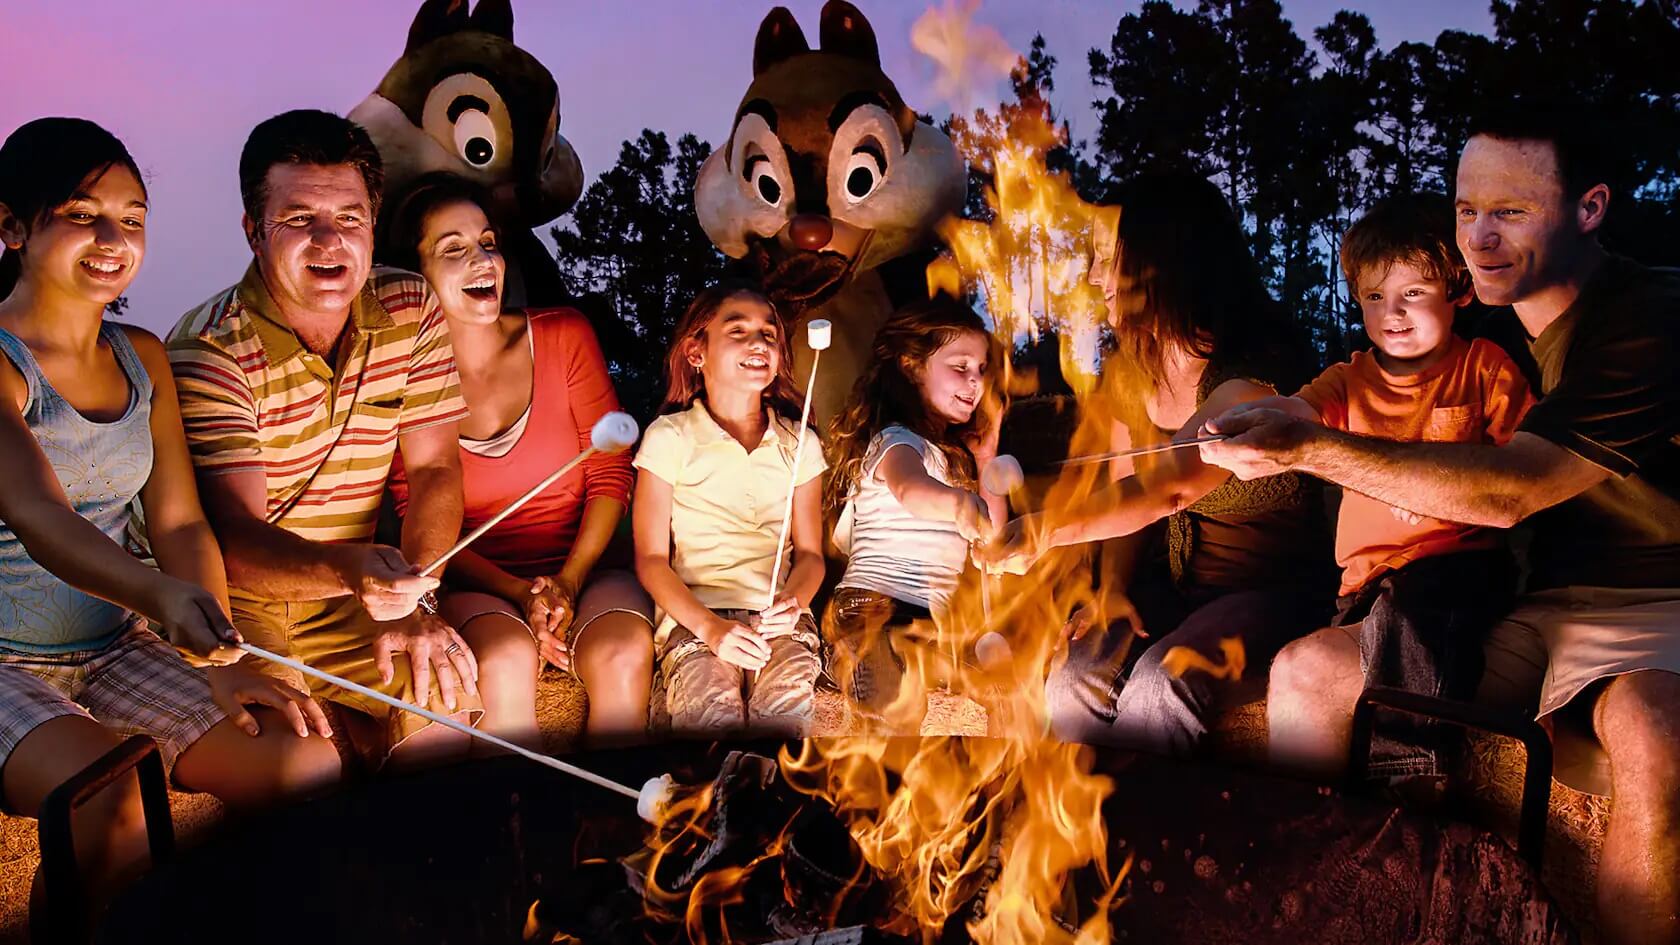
[(336, 636), (1557, 643)]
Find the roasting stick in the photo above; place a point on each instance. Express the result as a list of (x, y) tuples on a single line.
[(650, 791), (1140, 451), (613, 433), (1002, 476), (818, 335)]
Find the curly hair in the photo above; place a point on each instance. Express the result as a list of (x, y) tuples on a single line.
[(890, 392), (683, 382)]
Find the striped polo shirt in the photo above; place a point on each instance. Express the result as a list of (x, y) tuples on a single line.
[(254, 399)]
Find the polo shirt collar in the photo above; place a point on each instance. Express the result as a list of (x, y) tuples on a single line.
[(279, 340), (705, 430)]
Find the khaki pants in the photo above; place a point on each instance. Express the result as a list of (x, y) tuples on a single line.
[(706, 695), (336, 636)]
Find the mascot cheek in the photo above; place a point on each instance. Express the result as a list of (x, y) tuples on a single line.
[(744, 190), (562, 174), (923, 186)]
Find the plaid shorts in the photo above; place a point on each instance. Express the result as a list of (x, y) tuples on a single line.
[(136, 685)]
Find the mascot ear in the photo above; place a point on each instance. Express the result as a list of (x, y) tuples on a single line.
[(494, 17), (437, 18), (779, 38), (844, 31)]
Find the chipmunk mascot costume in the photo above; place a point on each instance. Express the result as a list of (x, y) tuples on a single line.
[(463, 99), (829, 187)]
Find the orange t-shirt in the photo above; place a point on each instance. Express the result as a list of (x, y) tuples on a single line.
[(1473, 395), (570, 391)]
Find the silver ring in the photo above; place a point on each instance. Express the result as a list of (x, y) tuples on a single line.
[(453, 649)]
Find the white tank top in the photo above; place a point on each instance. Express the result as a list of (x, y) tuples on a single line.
[(893, 552)]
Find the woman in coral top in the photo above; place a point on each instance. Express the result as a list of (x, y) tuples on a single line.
[(535, 383)]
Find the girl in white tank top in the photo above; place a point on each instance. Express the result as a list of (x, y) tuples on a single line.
[(907, 455)]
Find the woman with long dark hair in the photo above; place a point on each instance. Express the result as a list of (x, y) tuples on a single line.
[(1196, 333)]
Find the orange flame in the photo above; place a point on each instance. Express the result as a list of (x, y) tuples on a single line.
[(986, 832), (1182, 659), (1031, 260)]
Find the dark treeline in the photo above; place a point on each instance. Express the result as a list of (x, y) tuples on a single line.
[(1301, 131)]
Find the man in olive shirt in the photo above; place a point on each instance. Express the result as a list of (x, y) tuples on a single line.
[(1595, 465)]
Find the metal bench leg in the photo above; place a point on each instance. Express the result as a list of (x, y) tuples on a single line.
[(64, 893), (1537, 769)]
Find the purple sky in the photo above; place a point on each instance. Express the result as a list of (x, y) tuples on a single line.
[(183, 81)]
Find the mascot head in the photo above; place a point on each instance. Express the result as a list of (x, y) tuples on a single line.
[(826, 172), (464, 99)]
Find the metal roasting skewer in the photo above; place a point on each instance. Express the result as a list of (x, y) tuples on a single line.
[(613, 432), (1139, 451), (443, 720)]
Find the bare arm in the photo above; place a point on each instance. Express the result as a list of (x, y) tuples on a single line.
[(651, 523), (1472, 483), (180, 536), (472, 571), (600, 520), (34, 506), (265, 559), (806, 575), (906, 477), (1148, 495), (432, 458)]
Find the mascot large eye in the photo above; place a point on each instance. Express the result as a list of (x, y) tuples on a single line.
[(475, 135), (865, 170), (761, 176)]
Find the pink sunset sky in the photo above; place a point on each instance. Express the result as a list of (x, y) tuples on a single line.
[(183, 81)]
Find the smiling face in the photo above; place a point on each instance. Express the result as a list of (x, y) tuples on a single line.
[(1516, 227), (89, 247), (460, 258), (314, 243), (740, 350), (954, 378), (1408, 316)]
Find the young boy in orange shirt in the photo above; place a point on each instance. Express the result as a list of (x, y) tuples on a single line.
[(1420, 593)]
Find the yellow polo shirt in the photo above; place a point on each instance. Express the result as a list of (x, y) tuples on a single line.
[(726, 504)]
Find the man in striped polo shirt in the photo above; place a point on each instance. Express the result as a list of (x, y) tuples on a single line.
[(297, 387)]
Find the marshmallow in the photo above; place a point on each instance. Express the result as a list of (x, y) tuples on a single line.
[(613, 433), (819, 334), (993, 651), (1002, 475), (654, 796)]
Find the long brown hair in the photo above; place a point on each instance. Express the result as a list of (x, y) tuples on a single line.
[(683, 381), (890, 392), (1187, 277)]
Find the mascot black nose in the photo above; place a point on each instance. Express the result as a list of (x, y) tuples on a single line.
[(810, 231)]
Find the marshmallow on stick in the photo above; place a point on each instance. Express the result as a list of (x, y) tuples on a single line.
[(613, 433), (1002, 476), (818, 335), (651, 800)]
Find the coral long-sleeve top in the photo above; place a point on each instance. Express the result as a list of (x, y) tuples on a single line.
[(570, 390)]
